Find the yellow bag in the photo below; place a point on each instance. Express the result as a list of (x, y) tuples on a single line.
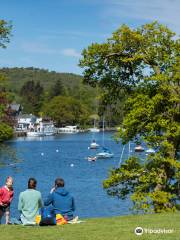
[(38, 219), (60, 220)]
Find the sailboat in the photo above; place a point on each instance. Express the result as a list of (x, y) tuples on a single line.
[(106, 153), (94, 145), (94, 129)]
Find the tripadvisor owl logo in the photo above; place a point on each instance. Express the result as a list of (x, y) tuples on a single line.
[(138, 231)]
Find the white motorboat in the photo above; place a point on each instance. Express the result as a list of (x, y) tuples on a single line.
[(150, 150), (94, 129), (34, 134), (105, 155), (68, 129), (92, 159), (139, 148), (94, 145)]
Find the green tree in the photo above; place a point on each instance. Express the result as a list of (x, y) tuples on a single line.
[(54, 84), (145, 64), (6, 130), (66, 110), (5, 33), (57, 89), (126, 58), (32, 94)]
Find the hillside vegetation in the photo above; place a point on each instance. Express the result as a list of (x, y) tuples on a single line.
[(17, 77), (61, 96)]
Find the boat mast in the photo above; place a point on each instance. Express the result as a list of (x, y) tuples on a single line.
[(129, 150), (103, 130)]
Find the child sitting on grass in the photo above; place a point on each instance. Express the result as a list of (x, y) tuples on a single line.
[(6, 197)]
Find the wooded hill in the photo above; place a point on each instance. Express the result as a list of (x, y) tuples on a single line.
[(48, 93), (18, 76)]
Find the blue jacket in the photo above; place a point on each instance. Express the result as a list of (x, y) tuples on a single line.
[(62, 202)]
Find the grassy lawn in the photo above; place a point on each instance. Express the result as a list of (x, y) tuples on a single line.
[(115, 228)]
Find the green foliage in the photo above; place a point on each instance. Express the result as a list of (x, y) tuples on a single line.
[(5, 32), (145, 64), (57, 89), (66, 110), (60, 84), (118, 184), (32, 94), (6, 132), (6, 120), (19, 76), (120, 63)]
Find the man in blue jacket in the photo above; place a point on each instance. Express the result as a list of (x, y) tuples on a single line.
[(61, 200)]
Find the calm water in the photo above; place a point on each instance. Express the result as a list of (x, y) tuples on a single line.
[(83, 179)]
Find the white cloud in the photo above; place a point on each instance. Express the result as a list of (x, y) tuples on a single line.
[(35, 47), (72, 34), (70, 52), (39, 48), (165, 11)]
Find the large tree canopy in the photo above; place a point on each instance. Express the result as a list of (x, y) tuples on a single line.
[(66, 110), (144, 63), (128, 57)]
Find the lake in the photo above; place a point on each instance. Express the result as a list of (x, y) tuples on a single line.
[(64, 156)]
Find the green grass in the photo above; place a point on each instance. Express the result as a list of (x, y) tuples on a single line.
[(115, 228)]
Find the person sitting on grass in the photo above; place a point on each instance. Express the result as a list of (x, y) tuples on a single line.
[(61, 200), (6, 197), (29, 203)]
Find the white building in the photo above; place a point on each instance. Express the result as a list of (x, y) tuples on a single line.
[(35, 126), (25, 122)]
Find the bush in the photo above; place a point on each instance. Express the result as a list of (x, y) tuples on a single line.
[(6, 132)]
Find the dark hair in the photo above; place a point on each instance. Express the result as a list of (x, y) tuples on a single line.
[(32, 183), (59, 182)]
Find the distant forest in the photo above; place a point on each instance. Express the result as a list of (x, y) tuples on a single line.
[(17, 77), (61, 96)]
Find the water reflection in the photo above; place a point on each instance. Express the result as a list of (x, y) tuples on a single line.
[(8, 156)]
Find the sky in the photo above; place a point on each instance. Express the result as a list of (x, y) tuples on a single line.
[(51, 34)]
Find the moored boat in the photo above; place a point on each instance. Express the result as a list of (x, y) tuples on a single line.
[(94, 145), (94, 129), (150, 150), (106, 153), (138, 148), (68, 129), (92, 159), (34, 134)]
